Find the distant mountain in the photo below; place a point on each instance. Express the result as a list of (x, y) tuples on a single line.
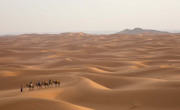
[(142, 31)]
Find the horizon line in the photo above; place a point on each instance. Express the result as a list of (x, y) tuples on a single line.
[(87, 32)]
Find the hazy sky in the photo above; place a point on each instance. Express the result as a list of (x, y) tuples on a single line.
[(29, 16)]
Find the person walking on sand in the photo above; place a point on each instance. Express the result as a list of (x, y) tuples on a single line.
[(21, 88)]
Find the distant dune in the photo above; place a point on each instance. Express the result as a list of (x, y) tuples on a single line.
[(126, 71), (142, 31)]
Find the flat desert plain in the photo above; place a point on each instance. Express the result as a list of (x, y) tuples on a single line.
[(97, 72)]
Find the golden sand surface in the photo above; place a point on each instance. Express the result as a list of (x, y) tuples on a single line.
[(97, 72)]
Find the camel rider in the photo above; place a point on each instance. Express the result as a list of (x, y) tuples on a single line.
[(46, 82), (50, 82), (31, 84), (39, 82)]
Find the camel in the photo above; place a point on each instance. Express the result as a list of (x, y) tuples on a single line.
[(46, 84), (57, 83), (39, 84), (30, 86)]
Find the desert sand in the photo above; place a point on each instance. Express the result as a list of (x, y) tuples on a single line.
[(97, 72)]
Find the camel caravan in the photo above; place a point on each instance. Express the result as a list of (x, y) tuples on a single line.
[(41, 84)]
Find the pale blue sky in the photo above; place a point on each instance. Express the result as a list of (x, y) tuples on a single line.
[(43, 16)]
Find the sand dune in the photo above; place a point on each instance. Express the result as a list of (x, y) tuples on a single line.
[(97, 72), (36, 104)]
